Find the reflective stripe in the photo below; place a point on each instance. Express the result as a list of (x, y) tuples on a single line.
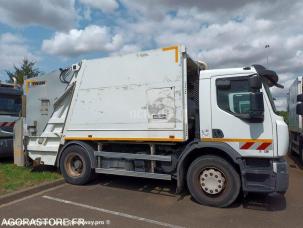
[(7, 124), (247, 145), (176, 49), (263, 146), (236, 140)]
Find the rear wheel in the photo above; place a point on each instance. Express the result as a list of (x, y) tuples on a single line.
[(213, 181), (75, 165)]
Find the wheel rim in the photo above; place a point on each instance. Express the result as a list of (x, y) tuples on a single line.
[(74, 165), (212, 181)]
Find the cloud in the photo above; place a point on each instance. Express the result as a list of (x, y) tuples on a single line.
[(106, 6), (75, 42), (13, 50), (55, 14), (205, 5), (231, 33), (157, 9), (224, 34)]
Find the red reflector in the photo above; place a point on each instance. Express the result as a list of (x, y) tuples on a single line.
[(247, 145), (263, 146), (7, 124)]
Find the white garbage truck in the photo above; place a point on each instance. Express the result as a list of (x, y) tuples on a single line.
[(295, 112), (159, 114)]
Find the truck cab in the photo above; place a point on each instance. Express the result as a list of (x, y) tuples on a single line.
[(236, 99), (10, 108), (243, 119)]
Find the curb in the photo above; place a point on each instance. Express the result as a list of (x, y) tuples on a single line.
[(29, 191)]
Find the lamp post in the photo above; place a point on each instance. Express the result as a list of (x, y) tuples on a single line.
[(267, 46)]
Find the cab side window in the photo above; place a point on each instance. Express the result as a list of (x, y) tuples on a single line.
[(233, 95)]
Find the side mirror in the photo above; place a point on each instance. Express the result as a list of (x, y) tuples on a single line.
[(255, 82), (223, 84), (299, 108), (256, 107), (300, 98)]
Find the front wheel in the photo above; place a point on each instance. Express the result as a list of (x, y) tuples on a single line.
[(75, 165), (213, 181)]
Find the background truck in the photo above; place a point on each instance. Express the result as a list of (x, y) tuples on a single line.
[(295, 112), (160, 114), (10, 111)]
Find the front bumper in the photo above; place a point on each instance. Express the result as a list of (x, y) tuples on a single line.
[(281, 172), (264, 175)]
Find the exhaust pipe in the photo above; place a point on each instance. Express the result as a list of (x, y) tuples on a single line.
[(202, 65), (15, 81)]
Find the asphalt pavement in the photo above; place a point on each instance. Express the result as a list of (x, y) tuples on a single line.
[(113, 201)]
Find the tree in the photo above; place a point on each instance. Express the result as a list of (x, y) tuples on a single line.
[(25, 71), (284, 114)]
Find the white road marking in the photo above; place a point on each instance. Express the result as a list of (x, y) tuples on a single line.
[(31, 196), (134, 217)]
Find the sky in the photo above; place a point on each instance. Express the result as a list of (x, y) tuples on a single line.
[(229, 33)]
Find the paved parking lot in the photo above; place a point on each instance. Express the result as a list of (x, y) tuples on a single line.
[(130, 202)]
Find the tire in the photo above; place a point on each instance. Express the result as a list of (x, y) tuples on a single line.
[(75, 165), (227, 187)]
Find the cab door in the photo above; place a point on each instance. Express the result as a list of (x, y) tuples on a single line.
[(231, 107)]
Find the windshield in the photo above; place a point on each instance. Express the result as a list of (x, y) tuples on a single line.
[(10, 105), (267, 89)]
